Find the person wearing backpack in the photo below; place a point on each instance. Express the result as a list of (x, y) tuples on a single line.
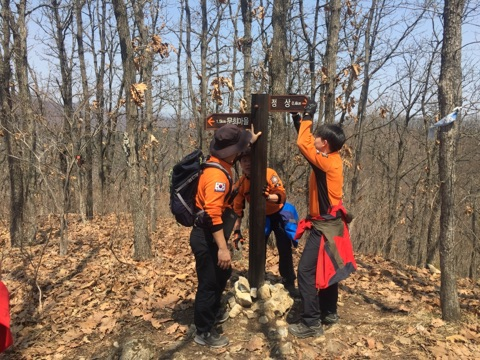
[(207, 239), (275, 196)]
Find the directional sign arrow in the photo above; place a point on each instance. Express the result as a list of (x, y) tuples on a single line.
[(210, 122), (291, 103), (215, 121)]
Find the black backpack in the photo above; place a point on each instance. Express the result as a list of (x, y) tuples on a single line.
[(184, 183)]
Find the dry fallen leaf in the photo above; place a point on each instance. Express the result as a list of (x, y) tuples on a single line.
[(255, 343), (456, 338), (436, 323), (171, 329)]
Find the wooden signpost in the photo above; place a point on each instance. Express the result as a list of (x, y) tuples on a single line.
[(262, 104)]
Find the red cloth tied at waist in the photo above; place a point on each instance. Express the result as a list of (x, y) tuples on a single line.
[(6, 339), (306, 224)]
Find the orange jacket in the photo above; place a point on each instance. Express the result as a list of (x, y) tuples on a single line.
[(274, 185), (326, 179), (213, 188)]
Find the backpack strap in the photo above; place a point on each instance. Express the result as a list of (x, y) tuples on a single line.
[(234, 192), (220, 167)]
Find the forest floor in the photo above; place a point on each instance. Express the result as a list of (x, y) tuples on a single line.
[(87, 304)]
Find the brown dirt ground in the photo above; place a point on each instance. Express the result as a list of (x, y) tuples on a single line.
[(88, 304)]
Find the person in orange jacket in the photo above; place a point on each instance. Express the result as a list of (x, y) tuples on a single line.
[(6, 339), (207, 238), (275, 196), (328, 254)]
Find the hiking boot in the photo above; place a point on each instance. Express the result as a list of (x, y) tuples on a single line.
[(330, 319), (301, 330), (292, 290), (221, 317), (212, 339)]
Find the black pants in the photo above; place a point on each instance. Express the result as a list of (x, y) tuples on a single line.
[(284, 246), (315, 303), (212, 280)]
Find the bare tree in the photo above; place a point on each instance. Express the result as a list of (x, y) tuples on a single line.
[(142, 248), (278, 77), (9, 127), (449, 96), (84, 163), (333, 30), (245, 44)]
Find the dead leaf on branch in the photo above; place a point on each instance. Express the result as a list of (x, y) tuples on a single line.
[(468, 210), (383, 112), (161, 48), (351, 105), (217, 83), (324, 75), (356, 70), (349, 9), (259, 12), (153, 139), (242, 43), (137, 91), (339, 103), (243, 106), (137, 61)]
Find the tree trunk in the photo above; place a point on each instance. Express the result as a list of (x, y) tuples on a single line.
[(69, 146), (362, 107), (449, 96), (142, 248), (191, 92), (85, 161), (473, 269), (311, 45), (432, 240), (203, 73), (247, 51), (278, 75), (333, 30), (20, 176)]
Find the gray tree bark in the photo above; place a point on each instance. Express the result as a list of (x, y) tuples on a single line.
[(333, 30), (7, 118), (278, 77), (85, 162), (246, 48), (142, 247), (449, 96)]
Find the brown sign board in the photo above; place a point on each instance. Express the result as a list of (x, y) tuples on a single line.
[(290, 103), (215, 121)]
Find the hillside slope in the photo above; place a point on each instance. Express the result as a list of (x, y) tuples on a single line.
[(92, 303)]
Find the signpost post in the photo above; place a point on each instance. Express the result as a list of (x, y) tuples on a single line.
[(262, 104)]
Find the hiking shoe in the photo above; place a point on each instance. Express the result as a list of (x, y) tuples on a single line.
[(292, 290), (221, 317), (330, 319), (301, 330), (212, 339)]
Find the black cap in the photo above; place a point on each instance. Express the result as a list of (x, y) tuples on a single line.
[(229, 140)]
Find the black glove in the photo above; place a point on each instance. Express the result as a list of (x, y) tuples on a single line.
[(266, 192), (310, 108), (238, 240), (296, 120)]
